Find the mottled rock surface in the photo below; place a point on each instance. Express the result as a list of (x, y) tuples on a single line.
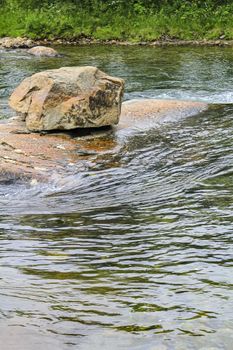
[(68, 98), (43, 51), (16, 43)]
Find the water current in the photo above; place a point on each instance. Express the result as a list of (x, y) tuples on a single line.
[(136, 251)]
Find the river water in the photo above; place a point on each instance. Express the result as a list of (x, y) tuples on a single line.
[(136, 251)]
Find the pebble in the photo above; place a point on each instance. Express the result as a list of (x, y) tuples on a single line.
[(19, 151), (39, 169), (34, 182)]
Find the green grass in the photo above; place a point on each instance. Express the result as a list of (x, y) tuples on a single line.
[(185, 22)]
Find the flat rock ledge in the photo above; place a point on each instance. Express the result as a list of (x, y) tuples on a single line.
[(25, 155)]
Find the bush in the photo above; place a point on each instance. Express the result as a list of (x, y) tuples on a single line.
[(117, 19)]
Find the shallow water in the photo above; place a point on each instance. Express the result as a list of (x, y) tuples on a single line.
[(135, 251)]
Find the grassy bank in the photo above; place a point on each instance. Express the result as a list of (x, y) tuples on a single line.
[(104, 20)]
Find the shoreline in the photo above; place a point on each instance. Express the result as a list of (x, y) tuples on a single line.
[(24, 42), (156, 43)]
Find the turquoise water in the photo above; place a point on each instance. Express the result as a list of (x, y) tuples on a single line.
[(135, 250)]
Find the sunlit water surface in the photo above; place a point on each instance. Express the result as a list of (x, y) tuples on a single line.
[(134, 252)]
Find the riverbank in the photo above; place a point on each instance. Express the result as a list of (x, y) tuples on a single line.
[(139, 22), (25, 42)]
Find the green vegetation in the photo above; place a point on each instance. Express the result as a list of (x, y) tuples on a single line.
[(134, 20)]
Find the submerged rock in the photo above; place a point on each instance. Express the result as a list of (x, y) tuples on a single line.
[(43, 51), (69, 98)]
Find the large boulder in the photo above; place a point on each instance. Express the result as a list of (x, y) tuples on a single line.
[(68, 98), (43, 51)]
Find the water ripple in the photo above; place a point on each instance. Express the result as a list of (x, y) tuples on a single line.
[(134, 250)]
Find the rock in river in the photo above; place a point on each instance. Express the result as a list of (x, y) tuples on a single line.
[(36, 156), (69, 98), (43, 51)]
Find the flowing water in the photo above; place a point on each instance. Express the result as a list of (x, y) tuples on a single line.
[(134, 251)]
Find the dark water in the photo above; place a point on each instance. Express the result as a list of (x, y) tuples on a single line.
[(136, 251)]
